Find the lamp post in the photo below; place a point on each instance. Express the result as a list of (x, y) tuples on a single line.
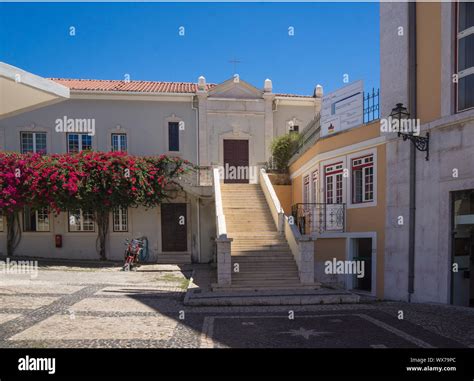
[(422, 143)]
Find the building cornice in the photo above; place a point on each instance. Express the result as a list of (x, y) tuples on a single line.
[(339, 152), (132, 96)]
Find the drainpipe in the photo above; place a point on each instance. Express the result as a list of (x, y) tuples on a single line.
[(413, 114), (196, 109)]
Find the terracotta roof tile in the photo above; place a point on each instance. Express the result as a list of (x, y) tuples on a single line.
[(140, 86)]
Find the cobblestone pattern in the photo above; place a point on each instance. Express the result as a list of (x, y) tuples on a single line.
[(155, 305)]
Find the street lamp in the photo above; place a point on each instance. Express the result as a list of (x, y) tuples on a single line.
[(422, 143)]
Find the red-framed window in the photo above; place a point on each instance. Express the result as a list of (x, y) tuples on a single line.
[(306, 189), (314, 186), (363, 179), (333, 183)]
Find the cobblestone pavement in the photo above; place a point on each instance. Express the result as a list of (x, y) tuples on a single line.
[(84, 306)]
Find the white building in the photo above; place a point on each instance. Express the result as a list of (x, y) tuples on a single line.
[(208, 124)]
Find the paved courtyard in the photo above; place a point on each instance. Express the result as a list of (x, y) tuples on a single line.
[(100, 306)]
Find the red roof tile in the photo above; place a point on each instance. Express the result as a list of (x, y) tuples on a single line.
[(140, 86), (133, 86)]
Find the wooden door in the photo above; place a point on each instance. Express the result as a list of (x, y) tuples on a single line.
[(236, 161), (174, 230)]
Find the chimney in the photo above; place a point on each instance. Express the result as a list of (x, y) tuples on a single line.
[(318, 91), (201, 83), (268, 86)]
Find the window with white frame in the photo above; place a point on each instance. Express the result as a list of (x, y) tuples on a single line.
[(465, 56), (81, 221), (306, 189), (119, 142), (314, 183), (33, 142), (1, 221), (120, 219), (35, 220), (78, 142), (293, 126), (334, 183), (363, 179)]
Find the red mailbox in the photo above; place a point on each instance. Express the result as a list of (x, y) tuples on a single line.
[(58, 239)]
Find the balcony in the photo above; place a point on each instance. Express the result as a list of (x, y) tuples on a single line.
[(198, 181), (319, 218)]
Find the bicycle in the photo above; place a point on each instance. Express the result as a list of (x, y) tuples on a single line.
[(134, 249)]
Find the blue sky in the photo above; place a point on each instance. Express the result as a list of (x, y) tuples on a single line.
[(142, 40)]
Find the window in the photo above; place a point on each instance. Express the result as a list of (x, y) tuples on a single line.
[(314, 190), (120, 218), (119, 142), (173, 136), (465, 59), (306, 190), (33, 142), (334, 183), (294, 128), (35, 220), (363, 179), (78, 142), (1, 221), (81, 221)]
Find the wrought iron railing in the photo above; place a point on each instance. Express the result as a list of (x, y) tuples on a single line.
[(318, 217), (371, 105), (309, 134)]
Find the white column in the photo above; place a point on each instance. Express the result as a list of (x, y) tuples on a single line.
[(306, 265), (202, 123), (224, 261), (268, 97)]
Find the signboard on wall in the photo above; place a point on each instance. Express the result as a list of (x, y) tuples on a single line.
[(343, 109)]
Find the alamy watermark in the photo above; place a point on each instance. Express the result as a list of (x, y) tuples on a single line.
[(78, 125), (244, 172), (345, 267), (9, 266), (406, 126)]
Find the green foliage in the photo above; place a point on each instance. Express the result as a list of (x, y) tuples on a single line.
[(283, 148)]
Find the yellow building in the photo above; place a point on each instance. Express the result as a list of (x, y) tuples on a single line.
[(338, 197)]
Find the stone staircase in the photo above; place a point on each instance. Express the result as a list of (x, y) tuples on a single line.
[(262, 254)]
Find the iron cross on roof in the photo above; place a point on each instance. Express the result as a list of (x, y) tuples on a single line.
[(235, 61)]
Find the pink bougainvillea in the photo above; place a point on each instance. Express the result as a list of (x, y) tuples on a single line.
[(97, 181)]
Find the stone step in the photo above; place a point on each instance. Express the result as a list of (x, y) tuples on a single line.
[(269, 296), (263, 234), (289, 264), (278, 259), (245, 205), (263, 272), (285, 265), (259, 280), (260, 237), (245, 229), (249, 218), (258, 242), (263, 265), (260, 253), (271, 260), (259, 246), (173, 259), (255, 282)]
